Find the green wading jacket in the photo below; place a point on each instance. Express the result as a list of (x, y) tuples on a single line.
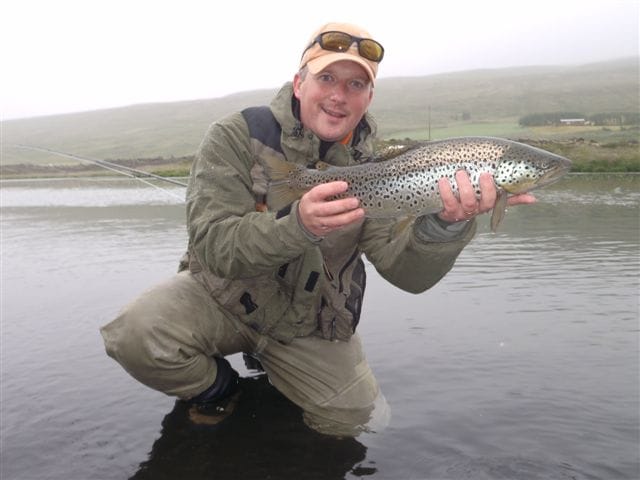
[(260, 266)]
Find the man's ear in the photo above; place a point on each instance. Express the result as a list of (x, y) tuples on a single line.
[(297, 81)]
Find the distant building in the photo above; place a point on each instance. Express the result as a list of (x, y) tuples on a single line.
[(573, 121)]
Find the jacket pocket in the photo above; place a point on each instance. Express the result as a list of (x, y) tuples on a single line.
[(342, 301), (282, 304)]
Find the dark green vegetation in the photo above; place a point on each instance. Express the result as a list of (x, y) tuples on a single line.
[(482, 102)]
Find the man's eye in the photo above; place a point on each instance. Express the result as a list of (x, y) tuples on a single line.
[(325, 77), (358, 84)]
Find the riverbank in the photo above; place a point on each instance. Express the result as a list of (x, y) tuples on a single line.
[(587, 155), (172, 167), (591, 156)]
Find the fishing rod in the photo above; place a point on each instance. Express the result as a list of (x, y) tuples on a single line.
[(114, 167)]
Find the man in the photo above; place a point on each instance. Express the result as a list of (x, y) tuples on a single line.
[(285, 283)]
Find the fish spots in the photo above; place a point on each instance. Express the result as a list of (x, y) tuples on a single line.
[(519, 175), (408, 183)]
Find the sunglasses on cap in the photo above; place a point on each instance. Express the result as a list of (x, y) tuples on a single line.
[(341, 42)]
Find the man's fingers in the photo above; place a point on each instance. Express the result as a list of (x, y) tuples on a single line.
[(467, 194), (449, 200), (322, 192), (321, 215), (521, 199), (318, 201), (488, 193)]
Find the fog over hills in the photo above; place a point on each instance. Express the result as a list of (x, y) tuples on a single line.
[(401, 104)]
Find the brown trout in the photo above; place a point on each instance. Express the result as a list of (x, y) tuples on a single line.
[(407, 185)]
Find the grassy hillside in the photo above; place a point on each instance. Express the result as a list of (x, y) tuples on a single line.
[(139, 131), (483, 96), (483, 102)]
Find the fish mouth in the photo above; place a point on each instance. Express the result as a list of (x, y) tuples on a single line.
[(558, 170), (553, 170)]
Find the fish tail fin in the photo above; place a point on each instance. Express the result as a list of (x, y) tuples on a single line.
[(280, 193), (499, 210)]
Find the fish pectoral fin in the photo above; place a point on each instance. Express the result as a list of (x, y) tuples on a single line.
[(499, 210)]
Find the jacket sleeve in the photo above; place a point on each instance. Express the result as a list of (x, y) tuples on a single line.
[(226, 233), (407, 260)]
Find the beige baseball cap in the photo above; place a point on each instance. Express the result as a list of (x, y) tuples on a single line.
[(317, 58)]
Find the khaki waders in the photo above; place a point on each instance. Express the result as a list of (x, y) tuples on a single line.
[(168, 336)]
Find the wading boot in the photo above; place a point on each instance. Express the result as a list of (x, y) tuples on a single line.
[(219, 400)]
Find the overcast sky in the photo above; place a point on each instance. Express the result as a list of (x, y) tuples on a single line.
[(67, 55)]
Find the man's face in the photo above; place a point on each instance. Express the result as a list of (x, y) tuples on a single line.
[(333, 101)]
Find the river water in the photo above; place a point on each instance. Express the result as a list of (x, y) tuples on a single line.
[(523, 363)]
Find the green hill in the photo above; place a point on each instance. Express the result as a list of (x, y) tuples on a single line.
[(485, 102)]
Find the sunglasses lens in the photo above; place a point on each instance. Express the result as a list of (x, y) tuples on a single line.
[(336, 41), (341, 42), (371, 50)]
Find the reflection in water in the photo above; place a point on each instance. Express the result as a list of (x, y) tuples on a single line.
[(523, 363), (264, 438)]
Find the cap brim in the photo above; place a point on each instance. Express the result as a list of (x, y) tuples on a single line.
[(320, 63)]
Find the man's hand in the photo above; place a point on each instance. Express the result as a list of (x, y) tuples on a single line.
[(466, 206), (321, 216)]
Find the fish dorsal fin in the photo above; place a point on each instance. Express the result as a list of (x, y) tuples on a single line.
[(393, 151)]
